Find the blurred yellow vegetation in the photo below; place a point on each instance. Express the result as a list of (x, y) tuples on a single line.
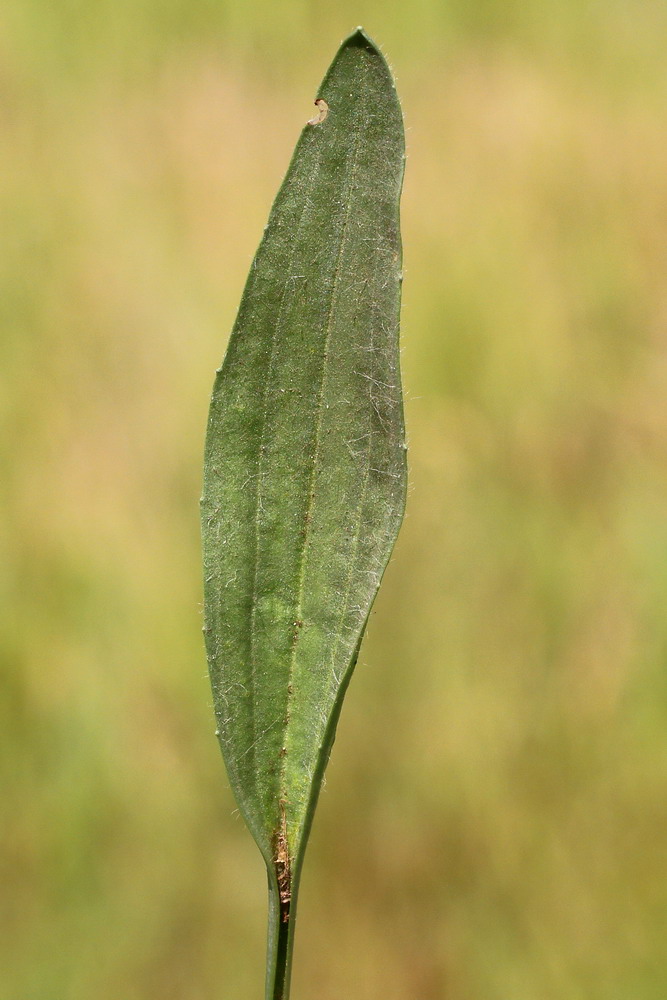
[(494, 821)]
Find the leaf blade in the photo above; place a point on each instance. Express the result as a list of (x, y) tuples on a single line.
[(304, 483)]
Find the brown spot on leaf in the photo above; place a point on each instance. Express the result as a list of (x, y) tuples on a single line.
[(282, 865)]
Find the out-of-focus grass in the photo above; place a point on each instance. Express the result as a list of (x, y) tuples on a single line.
[(494, 821)]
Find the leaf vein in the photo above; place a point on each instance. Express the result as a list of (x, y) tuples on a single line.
[(259, 475), (318, 439)]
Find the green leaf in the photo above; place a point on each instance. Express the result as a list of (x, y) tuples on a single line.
[(305, 472)]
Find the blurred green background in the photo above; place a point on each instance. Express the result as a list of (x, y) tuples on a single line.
[(494, 821)]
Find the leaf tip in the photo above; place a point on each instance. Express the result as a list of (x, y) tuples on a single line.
[(360, 39)]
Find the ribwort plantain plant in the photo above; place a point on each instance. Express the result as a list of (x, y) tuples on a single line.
[(305, 467)]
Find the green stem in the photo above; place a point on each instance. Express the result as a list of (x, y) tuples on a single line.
[(280, 943)]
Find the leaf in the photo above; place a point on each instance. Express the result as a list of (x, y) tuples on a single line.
[(305, 472)]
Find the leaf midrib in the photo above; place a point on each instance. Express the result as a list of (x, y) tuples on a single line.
[(260, 464), (316, 453)]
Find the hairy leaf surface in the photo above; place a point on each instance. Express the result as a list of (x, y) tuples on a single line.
[(305, 472)]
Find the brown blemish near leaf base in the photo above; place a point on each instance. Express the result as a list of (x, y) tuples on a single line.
[(283, 867)]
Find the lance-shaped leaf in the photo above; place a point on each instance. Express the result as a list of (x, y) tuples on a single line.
[(305, 477)]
